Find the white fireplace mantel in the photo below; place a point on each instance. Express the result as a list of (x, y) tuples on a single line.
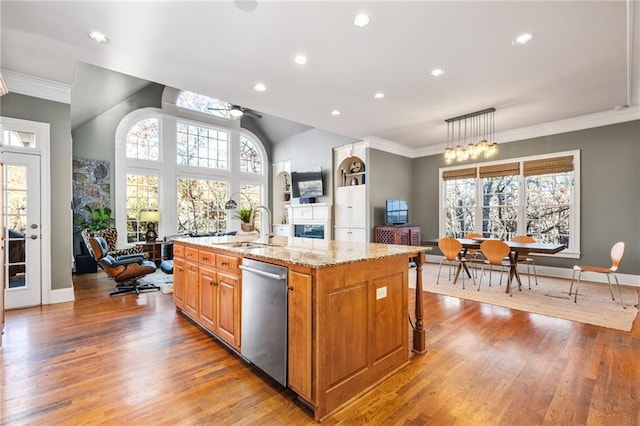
[(310, 214)]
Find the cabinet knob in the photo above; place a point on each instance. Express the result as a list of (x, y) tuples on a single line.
[(290, 288), (225, 263), (213, 283)]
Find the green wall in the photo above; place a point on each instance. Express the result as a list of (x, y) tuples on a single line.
[(58, 116), (610, 190), (96, 139), (390, 178)]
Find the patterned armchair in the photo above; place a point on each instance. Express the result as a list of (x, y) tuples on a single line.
[(111, 237)]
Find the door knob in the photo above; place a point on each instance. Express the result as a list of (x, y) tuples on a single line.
[(33, 237)]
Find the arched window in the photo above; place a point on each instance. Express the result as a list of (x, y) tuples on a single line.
[(186, 162), (143, 140), (250, 158), (204, 104), (202, 146)]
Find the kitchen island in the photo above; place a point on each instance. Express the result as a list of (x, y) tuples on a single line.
[(347, 307)]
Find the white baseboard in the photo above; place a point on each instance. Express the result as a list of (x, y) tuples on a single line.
[(61, 295), (555, 272)]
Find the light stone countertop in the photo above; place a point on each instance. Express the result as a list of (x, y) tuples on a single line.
[(313, 253)]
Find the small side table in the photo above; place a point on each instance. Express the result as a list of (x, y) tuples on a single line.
[(154, 250)]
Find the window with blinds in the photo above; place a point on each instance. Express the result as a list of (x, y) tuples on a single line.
[(536, 196)]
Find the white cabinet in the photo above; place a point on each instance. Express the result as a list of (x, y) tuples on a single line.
[(282, 230), (350, 206), (281, 198), (351, 199), (350, 234)]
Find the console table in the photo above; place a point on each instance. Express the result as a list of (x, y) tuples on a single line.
[(154, 250), (407, 235)]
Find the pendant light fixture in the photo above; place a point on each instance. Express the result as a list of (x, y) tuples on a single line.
[(470, 136)]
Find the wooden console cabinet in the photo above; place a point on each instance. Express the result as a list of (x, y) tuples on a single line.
[(406, 235)]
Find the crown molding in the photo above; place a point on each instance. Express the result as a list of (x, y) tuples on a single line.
[(389, 146), (37, 87), (589, 121)]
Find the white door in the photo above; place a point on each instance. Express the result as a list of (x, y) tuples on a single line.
[(21, 191)]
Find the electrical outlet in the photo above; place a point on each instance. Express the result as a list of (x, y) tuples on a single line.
[(381, 293)]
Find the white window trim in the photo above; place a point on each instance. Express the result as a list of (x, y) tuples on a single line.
[(168, 169), (574, 236)]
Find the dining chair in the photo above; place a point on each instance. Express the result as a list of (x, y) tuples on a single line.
[(523, 257), (496, 253), (474, 255), (617, 252), (451, 248)]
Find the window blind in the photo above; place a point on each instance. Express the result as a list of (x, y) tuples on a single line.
[(507, 169), (459, 174), (548, 165)]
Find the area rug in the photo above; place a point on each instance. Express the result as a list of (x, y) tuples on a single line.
[(550, 297), (159, 278)]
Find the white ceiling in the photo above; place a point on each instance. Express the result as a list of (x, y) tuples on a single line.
[(581, 61)]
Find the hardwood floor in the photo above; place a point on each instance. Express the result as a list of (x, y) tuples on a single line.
[(123, 360)]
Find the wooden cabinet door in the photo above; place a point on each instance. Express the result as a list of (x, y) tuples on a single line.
[(299, 341), (191, 289), (178, 282), (229, 309), (403, 236), (208, 309), (416, 236)]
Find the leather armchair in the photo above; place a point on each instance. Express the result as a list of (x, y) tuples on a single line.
[(124, 270)]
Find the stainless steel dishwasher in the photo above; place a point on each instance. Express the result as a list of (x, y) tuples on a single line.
[(264, 317)]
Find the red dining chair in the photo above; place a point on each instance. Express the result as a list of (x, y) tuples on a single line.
[(451, 248), (523, 257), (496, 253), (617, 252)]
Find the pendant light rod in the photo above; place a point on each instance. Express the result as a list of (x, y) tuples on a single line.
[(471, 114)]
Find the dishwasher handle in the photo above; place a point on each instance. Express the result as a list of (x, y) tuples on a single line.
[(263, 273)]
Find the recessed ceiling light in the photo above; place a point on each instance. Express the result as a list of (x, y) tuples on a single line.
[(300, 59), (522, 39), (437, 72), (379, 95), (335, 112), (98, 37), (259, 87), (361, 20)]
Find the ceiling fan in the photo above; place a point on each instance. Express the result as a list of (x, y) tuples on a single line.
[(238, 111)]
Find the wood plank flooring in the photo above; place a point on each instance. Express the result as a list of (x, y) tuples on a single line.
[(123, 360)]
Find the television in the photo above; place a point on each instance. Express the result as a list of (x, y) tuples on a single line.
[(397, 212), (307, 184)]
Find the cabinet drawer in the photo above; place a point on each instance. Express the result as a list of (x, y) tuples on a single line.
[(191, 254), (227, 263), (207, 258), (281, 230), (178, 250)]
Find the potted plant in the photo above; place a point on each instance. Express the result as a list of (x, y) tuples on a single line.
[(244, 214), (99, 218)]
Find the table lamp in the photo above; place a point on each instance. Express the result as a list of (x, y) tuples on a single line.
[(151, 217)]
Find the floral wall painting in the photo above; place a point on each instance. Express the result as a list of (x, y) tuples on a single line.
[(91, 187)]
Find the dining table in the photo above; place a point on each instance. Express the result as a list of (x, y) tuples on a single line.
[(517, 249)]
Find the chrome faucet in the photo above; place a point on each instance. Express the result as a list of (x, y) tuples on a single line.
[(253, 211)]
